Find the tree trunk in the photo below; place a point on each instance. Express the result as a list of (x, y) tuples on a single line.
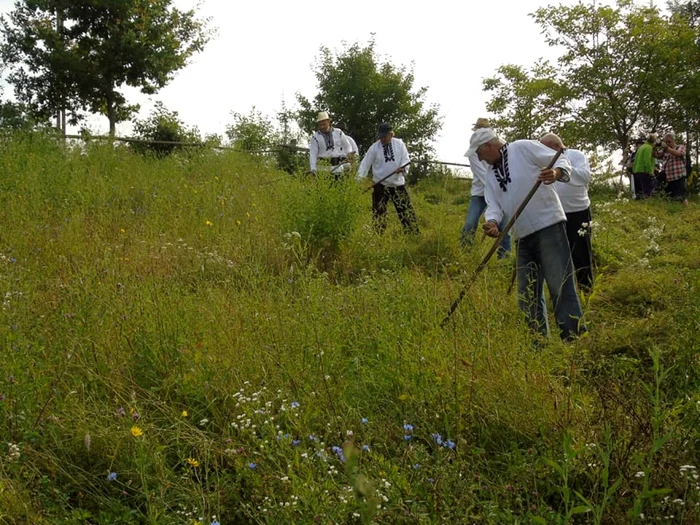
[(111, 114)]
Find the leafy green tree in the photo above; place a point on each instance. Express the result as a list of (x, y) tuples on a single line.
[(527, 103), (614, 64), (359, 88), (78, 54), (163, 127)]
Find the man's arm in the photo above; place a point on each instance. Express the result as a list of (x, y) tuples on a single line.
[(366, 163), (580, 168), (313, 154)]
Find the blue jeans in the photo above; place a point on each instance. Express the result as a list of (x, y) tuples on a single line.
[(544, 256), (477, 205)]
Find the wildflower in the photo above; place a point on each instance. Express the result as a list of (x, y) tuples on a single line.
[(252, 466), (416, 466), (296, 442), (437, 438), (349, 432), (407, 437), (294, 404), (13, 453), (364, 420), (408, 428), (2, 398), (214, 523), (339, 452), (135, 415), (112, 476), (136, 431), (639, 474), (120, 412), (203, 422), (184, 413), (209, 223), (312, 438), (431, 480), (192, 462), (449, 444), (365, 448)]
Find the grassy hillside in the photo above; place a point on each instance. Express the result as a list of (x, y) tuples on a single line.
[(203, 339)]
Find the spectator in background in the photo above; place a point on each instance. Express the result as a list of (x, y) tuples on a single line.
[(675, 169), (643, 168), (577, 207), (353, 145), (477, 203)]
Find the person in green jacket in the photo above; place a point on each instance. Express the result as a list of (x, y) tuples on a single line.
[(643, 169)]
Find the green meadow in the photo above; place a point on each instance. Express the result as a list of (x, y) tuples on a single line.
[(204, 339)]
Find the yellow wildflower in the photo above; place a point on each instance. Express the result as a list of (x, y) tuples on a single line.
[(184, 413), (209, 223), (192, 462), (136, 431)]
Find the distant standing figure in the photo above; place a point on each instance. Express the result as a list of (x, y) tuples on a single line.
[(388, 158), (329, 144), (675, 169), (354, 151), (477, 203), (577, 207), (643, 169)]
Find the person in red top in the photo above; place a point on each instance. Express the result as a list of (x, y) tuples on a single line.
[(675, 169)]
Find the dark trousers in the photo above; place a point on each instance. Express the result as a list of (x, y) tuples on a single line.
[(402, 202), (643, 185), (581, 253)]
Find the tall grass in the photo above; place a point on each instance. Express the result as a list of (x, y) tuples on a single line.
[(204, 339)]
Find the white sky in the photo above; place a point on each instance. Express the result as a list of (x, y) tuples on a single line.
[(265, 50)]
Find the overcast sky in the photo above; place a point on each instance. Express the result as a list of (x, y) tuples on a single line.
[(265, 50)]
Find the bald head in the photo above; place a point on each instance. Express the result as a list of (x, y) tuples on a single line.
[(552, 141)]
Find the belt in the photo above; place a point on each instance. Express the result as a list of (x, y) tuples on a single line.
[(338, 160)]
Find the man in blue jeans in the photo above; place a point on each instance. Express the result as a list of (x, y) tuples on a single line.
[(477, 204), (539, 232)]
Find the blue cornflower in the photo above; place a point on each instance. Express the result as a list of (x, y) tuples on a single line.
[(215, 523), (111, 476), (437, 438), (408, 428), (339, 452), (416, 466), (449, 444), (312, 438), (365, 448), (294, 404), (296, 442), (407, 437), (364, 420), (252, 465)]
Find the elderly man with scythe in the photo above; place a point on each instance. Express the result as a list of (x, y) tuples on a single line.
[(330, 145), (542, 249)]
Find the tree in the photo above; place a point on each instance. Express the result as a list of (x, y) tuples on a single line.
[(78, 54), (355, 86), (252, 133), (527, 103), (614, 65), (163, 126)]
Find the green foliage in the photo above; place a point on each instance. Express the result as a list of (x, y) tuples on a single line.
[(252, 133), (527, 104), (163, 126), (360, 88), (78, 55), (297, 378)]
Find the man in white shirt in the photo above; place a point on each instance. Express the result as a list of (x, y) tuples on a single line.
[(388, 158), (330, 144), (354, 151), (573, 196), (542, 249), (477, 203)]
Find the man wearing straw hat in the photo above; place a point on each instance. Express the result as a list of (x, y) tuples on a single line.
[(329, 144), (477, 203), (542, 248)]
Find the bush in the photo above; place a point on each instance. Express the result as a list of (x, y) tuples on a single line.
[(163, 126)]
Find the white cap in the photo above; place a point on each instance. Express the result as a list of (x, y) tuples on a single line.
[(479, 138), (322, 116)]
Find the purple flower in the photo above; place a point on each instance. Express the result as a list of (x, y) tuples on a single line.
[(120, 412), (339, 452), (416, 466), (407, 437), (111, 476), (136, 416), (437, 438), (365, 448), (252, 466), (296, 442), (364, 420), (312, 438), (449, 444), (408, 428)]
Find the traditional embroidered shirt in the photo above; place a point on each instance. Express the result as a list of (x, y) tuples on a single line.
[(353, 145), (675, 165), (574, 194), (479, 173), (511, 179), (327, 145), (384, 159)]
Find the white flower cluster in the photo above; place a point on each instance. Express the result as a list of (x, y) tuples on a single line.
[(13, 452)]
